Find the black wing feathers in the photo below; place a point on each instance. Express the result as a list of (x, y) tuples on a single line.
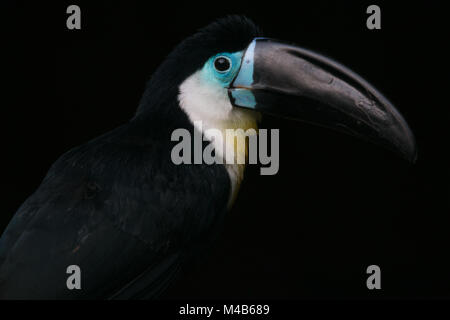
[(118, 208)]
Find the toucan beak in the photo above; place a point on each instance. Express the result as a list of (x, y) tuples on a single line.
[(292, 82)]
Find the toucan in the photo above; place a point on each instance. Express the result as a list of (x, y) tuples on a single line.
[(131, 219)]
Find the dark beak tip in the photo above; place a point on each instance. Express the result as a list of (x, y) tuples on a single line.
[(410, 145), (409, 151), (413, 155), (409, 156)]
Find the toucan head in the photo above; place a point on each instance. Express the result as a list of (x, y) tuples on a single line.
[(227, 74)]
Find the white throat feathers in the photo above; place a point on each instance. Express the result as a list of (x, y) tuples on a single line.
[(210, 105)]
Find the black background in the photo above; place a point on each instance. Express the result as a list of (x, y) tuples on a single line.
[(336, 206)]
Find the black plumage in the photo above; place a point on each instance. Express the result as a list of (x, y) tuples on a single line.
[(117, 206)]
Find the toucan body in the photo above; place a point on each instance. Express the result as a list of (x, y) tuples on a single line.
[(131, 219)]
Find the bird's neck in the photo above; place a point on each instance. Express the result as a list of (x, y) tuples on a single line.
[(235, 129)]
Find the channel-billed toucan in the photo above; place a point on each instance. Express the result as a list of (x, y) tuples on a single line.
[(131, 219)]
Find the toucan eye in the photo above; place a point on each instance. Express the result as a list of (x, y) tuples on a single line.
[(222, 64)]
